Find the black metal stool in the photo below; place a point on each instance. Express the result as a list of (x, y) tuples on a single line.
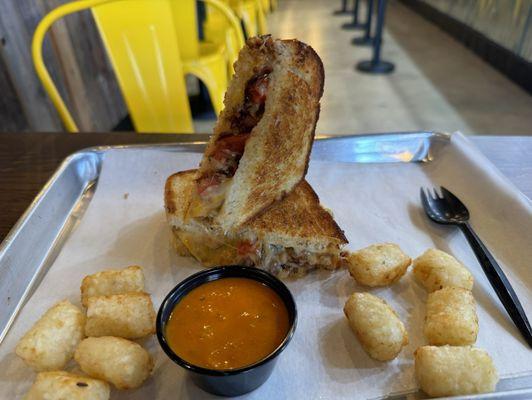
[(343, 10), (376, 65), (365, 40), (355, 24)]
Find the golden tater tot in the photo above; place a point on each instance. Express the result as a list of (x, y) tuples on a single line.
[(436, 269), (121, 362), (60, 385), (377, 326), (130, 316), (105, 283), (451, 317), (51, 342), (454, 370), (378, 264)]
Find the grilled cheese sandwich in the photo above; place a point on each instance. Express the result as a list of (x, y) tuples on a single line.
[(293, 236)]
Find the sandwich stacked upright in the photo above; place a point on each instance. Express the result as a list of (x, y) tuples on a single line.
[(248, 202)]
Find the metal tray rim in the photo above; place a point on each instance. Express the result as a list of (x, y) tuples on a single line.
[(36, 201), (438, 135)]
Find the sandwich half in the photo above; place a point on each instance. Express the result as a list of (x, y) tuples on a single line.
[(262, 140), (294, 235)]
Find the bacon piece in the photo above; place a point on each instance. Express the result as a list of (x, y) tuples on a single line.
[(230, 144), (246, 248), (257, 88)]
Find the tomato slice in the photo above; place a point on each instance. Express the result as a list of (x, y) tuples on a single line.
[(234, 143), (229, 146), (257, 89), (246, 248)]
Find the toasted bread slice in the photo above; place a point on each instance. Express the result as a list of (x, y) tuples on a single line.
[(261, 143), (292, 236)]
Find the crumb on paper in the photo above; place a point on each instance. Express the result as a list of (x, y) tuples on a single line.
[(126, 195)]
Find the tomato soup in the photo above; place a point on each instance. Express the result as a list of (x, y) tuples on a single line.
[(227, 323)]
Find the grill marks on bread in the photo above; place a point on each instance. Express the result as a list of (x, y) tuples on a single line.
[(277, 149)]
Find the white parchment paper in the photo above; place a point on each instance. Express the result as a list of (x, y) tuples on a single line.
[(125, 224)]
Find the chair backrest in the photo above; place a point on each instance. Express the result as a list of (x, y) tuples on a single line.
[(186, 25), (140, 39)]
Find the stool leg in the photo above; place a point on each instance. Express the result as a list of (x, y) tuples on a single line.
[(355, 24), (376, 65), (366, 40), (343, 10)]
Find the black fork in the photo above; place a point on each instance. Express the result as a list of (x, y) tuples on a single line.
[(446, 208)]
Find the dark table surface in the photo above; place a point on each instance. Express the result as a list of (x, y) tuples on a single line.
[(27, 160)]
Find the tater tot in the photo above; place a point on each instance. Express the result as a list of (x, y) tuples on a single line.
[(130, 316), (454, 370), (51, 342), (60, 385), (378, 264), (451, 317), (105, 283), (377, 326), (121, 362), (436, 269)]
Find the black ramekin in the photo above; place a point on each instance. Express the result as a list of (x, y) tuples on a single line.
[(236, 381)]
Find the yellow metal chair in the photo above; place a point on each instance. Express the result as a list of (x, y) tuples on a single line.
[(217, 30), (266, 6), (208, 61), (145, 56), (261, 18), (141, 40), (252, 15)]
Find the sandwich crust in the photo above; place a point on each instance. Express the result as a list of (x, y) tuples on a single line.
[(175, 199)]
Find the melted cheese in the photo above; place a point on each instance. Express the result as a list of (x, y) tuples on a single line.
[(203, 206), (211, 251)]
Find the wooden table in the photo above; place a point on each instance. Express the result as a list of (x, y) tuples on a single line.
[(27, 160)]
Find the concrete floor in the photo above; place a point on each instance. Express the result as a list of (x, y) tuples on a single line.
[(438, 84)]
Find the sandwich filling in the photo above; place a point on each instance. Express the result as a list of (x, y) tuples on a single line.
[(224, 157), (213, 250)]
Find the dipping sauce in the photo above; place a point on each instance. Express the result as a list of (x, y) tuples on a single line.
[(227, 323)]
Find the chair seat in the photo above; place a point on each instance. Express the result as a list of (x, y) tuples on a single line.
[(209, 54), (211, 60), (218, 31)]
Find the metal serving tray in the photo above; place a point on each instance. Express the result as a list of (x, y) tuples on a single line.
[(34, 242)]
